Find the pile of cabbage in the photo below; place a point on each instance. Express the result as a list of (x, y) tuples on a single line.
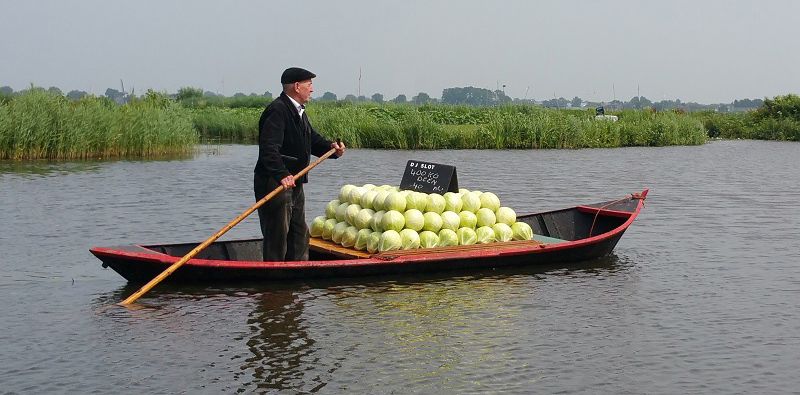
[(385, 218)]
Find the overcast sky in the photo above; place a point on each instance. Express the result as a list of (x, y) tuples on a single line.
[(703, 51)]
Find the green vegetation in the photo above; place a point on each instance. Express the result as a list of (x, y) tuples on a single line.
[(39, 124), (408, 126), (777, 119)]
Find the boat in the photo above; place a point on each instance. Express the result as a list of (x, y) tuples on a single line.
[(573, 234)]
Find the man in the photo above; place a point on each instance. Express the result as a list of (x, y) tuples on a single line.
[(285, 141)]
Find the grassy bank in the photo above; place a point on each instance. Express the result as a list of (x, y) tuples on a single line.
[(406, 126), (38, 125)]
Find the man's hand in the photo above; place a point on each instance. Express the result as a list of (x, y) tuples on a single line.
[(287, 182), (339, 147)]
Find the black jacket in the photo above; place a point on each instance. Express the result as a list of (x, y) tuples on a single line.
[(285, 141)]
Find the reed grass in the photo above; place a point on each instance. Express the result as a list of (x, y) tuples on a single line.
[(41, 125), (405, 126), (748, 125)]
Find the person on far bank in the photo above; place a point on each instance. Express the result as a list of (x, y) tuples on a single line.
[(285, 142)]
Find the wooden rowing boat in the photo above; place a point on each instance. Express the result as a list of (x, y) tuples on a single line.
[(572, 234)]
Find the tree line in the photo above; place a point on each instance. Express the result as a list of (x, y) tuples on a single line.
[(479, 97)]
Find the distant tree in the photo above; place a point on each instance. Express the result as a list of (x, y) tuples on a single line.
[(188, 92), (209, 94), (239, 94), (576, 102), (362, 98), (555, 103), (112, 93), (328, 96), (401, 98), (747, 103), (639, 102), (469, 95), (780, 107), (500, 97), (421, 98), (6, 90), (55, 90), (377, 98), (76, 95), (351, 98), (268, 94)]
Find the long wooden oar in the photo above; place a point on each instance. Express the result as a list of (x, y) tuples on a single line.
[(217, 235)]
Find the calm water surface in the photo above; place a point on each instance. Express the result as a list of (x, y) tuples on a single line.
[(700, 296)]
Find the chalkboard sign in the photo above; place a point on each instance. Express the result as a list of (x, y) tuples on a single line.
[(429, 177)]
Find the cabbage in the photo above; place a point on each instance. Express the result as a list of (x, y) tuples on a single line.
[(463, 190), (349, 236), (367, 198), (375, 222), (369, 187), (316, 226), (327, 228), (393, 220), (355, 195), (330, 208), (450, 220), (340, 212), (361, 239), (452, 202), (502, 232), (468, 219), (390, 240), (395, 201), (436, 203), (521, 231), (361, 221), (344, 193), (479, 193), (372, 242), (506, 216), (409, 239), (414, 219), (490, 201), (428, 239), (486, 217), (470, 202), (433, 222), (447, 237), (377, 203), (403, 192), (466, 236), (351, 212), (416, 200), (338, 232), (485, 235)]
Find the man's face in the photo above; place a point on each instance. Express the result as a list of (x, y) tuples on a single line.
[(303, 89)]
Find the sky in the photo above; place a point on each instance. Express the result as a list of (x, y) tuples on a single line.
[(696, 51)]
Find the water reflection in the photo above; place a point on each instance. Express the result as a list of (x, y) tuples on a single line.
[(434, 330), (280, 347)]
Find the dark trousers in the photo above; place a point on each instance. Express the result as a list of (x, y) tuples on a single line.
[(283, 221)]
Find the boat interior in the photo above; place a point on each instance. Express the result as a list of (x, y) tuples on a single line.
[(549, 228)]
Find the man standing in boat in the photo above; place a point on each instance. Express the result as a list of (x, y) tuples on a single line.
[(285, 142)]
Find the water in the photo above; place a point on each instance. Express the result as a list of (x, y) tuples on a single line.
[(700, 295)]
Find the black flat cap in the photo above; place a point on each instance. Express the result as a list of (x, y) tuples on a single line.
[(296, 74)]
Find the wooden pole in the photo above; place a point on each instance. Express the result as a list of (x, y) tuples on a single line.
[(217, 235)]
